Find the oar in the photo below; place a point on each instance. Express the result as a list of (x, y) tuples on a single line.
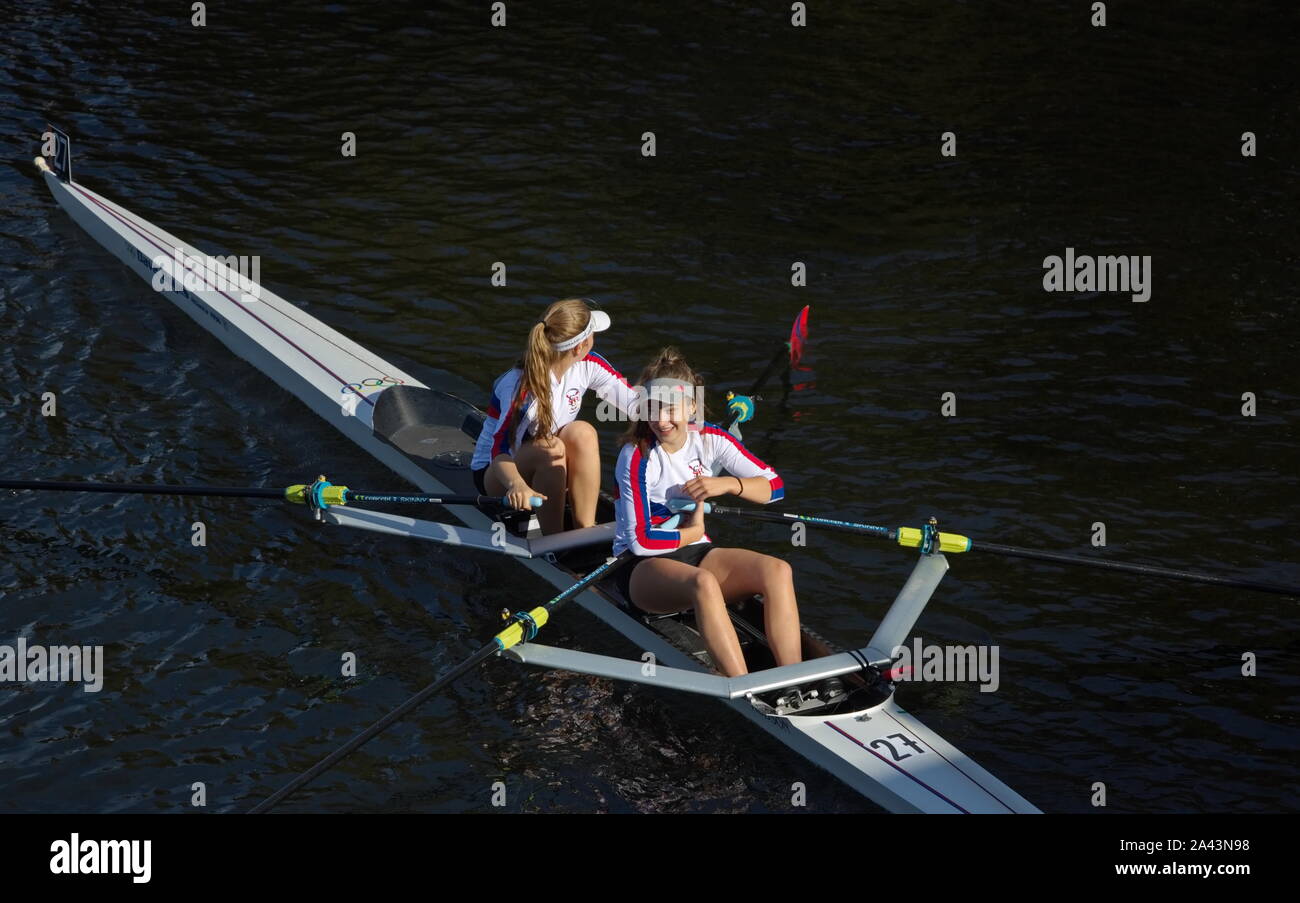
[(913, 537), (320, 494), (521, 628), (791, 351)]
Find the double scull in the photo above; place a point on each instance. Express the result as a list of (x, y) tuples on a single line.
[(863, 737)]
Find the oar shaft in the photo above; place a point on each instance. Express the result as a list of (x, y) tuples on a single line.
[(295, 493), (378, 498), (521, 628), (790, 517), (782, 352), (953, 542), (374, 730), (244, 492), (1146, 570)]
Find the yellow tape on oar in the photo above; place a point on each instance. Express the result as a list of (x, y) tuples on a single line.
[(524, 627), (330, 495), (948, 542)]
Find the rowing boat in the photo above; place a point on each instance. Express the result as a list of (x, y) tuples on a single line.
[(426, 436)]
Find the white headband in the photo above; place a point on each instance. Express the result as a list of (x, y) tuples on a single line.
[(597, 322), (667, 393), (668, 387)]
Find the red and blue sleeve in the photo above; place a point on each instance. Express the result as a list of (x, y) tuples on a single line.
[(635, 510)]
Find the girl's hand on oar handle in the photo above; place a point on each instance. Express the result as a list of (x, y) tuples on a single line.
[(521, 496), (702, 488), (692, 525), (696, 517)]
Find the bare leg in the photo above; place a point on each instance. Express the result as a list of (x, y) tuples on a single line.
[(582, 457), (664, 587), (542, 465), (741, 573), (493, 481)]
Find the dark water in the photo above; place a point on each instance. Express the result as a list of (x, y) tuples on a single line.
[(775, 145)]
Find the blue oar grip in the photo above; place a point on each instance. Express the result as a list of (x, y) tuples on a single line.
[(534, 502), (687, 505)]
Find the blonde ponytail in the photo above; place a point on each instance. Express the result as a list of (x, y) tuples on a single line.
[(562, 321)]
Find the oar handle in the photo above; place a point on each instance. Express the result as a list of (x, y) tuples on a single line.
[(679, 504), (535, 501)]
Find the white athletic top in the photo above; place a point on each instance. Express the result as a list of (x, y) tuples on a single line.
[(646, 483), (592, 372)]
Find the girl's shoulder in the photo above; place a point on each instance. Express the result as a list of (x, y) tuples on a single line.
[(599, 360), (632, 451), (712, 436), (513, 374), (595, 367)]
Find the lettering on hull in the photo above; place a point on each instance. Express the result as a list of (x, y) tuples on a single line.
[(147, 266)]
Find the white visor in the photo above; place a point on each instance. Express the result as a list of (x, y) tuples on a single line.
[(659, 393), (597, 322)]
